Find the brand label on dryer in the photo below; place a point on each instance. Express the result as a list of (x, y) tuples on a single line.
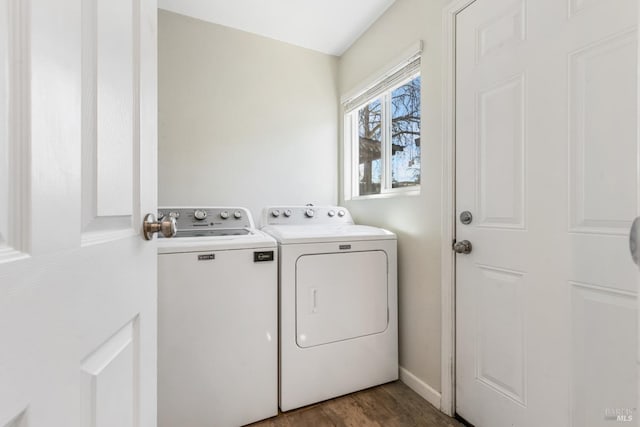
[(344, 247), (206, 257), (263, 256)]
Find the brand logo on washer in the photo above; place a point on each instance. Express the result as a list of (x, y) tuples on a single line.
[(206, 257), (263, 256), (344, 247)]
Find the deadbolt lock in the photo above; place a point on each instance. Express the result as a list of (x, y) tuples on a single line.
[(466, 217)]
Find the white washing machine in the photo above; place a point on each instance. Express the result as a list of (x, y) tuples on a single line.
[(338, 303), (217, 320)]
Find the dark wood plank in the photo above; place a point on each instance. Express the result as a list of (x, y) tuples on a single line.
[(389, 405), (414, 410), (346, 411), (313, 416)]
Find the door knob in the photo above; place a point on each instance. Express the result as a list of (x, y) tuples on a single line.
[(167, 226), (462, 247)]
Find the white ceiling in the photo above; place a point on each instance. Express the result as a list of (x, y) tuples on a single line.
[(328, 26)]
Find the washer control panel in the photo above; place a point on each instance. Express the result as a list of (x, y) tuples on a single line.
[(305, 215), (208, 218)]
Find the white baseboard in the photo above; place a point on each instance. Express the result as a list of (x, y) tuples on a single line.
[(427, 392)]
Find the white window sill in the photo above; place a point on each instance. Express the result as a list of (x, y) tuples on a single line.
[(414, 191)]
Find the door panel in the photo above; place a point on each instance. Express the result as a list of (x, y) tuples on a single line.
[(500, 161), (546, 154), (501, 334), (506, 27), (115, 105), (110, 96), (110, 381), (77, 309), (602, 115), (604, 325)]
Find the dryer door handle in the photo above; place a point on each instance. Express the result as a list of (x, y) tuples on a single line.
[(314, 300)]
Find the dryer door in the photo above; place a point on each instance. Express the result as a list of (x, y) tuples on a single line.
[(340, 296)]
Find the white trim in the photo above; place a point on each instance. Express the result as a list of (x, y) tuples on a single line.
[(18, 244), (448, 309), (425, 391), (637, 281), (414, 190), (385, 152), (391, 67), (347, 156)]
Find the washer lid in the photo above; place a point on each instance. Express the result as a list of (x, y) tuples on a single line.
[(326, 233), (212, 232), (254, 239)]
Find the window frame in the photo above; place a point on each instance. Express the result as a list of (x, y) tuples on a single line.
[(351, 139)]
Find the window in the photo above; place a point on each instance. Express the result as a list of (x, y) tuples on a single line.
[(383, 134)]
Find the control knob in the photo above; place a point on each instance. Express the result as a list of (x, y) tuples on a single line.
[(309, 213), (275, 213), (237, 214), (224, 214), (288, 213), (331, 213), (341, 213), (199, 214)]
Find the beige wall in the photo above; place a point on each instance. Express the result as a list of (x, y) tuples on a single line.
[(416, 219), (243, 120)]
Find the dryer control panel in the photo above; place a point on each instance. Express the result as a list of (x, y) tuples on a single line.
[(209, 221), (305, 215)]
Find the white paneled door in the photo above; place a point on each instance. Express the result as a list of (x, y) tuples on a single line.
[(547, 165), (77, 174)]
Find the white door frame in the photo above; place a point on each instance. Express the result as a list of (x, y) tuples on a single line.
[(638, 298), (448, 263)]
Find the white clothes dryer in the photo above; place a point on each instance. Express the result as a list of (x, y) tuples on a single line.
[(217, 320), (338, 303)]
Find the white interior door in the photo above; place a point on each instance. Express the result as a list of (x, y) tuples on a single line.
[(547, 163), (77, 173)]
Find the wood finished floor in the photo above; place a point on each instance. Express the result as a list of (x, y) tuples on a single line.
[(389, 405)]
